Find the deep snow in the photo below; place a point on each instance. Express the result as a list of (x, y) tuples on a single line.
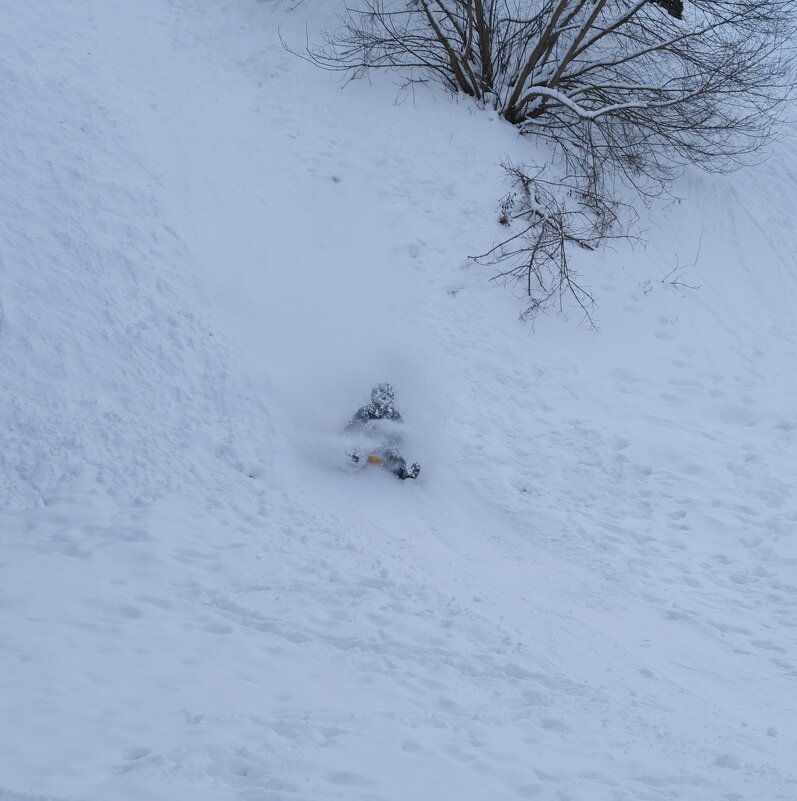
[(209, 251)]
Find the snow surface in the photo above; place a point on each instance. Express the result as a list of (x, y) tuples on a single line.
[(209, 251)]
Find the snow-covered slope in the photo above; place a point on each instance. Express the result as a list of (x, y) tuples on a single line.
[(209, 251)]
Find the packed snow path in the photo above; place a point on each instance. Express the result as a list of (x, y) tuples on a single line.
[(208, 252)]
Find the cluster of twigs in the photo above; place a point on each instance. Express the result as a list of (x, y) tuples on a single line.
[(553, 217)]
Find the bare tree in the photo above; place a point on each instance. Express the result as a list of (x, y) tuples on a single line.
[(634, 89), (638, 87)]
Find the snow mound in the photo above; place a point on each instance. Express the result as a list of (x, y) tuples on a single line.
[(109, 374), (208, 255)]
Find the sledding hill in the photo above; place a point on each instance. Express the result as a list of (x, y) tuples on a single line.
[(209, 252)]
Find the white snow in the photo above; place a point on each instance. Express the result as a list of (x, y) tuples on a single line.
[(209, 251)]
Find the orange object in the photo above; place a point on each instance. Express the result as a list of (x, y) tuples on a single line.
[(373, 459)]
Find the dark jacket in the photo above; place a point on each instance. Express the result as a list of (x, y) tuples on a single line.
[(372, 411)]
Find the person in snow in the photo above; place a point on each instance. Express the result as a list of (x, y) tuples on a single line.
[(378, 420)]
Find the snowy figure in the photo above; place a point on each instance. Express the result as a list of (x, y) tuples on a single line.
[(378, 425)]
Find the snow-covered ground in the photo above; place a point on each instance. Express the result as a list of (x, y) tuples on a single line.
[(209, 251)]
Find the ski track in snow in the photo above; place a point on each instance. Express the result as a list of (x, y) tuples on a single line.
[(209, 253)]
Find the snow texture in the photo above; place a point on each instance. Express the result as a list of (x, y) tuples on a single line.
[(209, 252)]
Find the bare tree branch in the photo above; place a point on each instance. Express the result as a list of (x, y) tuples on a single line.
[(554, 217)]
